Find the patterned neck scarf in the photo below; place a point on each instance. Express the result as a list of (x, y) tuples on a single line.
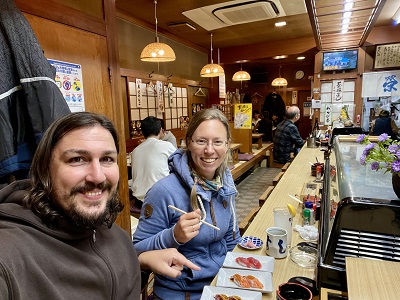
[(213, 185)]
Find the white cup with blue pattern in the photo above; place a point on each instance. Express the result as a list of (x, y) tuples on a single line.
[(276, 244)]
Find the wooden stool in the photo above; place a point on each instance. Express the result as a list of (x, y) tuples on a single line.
[(247, 220), (265, 195), (277, 178), (285, 167)]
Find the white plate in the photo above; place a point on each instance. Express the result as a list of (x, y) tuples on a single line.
[(224, 280), (209, 293), (256, 241), (267, 262)]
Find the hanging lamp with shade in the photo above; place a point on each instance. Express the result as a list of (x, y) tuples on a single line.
[(241, 75), (211, 70), (157, 52), (280, 81)]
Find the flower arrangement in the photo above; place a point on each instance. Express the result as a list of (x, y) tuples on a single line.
[(384, 154)]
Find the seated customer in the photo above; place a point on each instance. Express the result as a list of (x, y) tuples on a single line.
[(201, 184), (256, 119), (287, 138), (58, 237), (384, 124), (149, 160)]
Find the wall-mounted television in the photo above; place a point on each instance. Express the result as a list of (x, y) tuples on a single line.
[(340, 60)]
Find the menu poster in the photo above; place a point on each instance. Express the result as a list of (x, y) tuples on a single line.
[(242, 116), (69, 81), (387, 56)]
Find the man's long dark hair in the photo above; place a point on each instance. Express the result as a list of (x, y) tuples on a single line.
[(38, 198)]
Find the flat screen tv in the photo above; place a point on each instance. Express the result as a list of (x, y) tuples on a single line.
[(340, 60)]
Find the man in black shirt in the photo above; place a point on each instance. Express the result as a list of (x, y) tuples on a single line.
[(287, 138)]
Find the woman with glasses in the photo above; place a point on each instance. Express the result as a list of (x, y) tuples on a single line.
[(200, 183)]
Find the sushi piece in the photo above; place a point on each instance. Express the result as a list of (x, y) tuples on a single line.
[(254, 263), (240, 281), (243, 261)]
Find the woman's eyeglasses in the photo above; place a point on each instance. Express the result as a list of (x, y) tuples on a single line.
[(203, 143)]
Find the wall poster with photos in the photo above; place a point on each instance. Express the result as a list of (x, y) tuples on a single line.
[(158, 99)]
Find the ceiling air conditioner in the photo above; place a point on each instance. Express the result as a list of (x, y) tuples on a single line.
[(246, 12)]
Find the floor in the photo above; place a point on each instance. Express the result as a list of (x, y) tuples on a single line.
[(252, 187)]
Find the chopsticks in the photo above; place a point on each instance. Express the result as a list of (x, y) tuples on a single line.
[(184, 212), (295, 198)]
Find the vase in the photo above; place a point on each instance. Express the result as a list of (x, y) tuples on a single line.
[(396, 184)]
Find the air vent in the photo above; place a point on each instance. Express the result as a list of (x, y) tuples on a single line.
[(182, 26), (353, 243), (246, 12)]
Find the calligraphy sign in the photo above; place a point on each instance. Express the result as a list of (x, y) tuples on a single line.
[(337, 90), (387, 56), (138, 92)]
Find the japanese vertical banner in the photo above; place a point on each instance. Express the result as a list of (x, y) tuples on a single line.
[(328, 114), (160, 98), (138, 92), (337, 90)]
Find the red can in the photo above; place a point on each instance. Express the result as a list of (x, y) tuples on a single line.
[(319, 172)]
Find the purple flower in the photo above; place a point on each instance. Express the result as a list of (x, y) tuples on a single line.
[(398, 154), (383, 137), (360, 138), (362, 159), (368, 148), (374, 166), (396, 166), (393, 148)]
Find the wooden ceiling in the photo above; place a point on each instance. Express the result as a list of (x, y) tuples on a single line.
[(322, 23)]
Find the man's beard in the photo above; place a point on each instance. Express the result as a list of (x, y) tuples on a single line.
[(81, 219)]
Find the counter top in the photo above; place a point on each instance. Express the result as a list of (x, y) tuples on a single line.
[(372, 279), (291, 183)]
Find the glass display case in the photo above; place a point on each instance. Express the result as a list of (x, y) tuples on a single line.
[(360, 214)]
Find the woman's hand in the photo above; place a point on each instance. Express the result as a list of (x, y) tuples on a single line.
[(168, 262), (187, 227)]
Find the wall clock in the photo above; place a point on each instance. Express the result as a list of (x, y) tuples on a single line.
[(299, 74)]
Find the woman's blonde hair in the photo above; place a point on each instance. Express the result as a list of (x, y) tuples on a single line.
[(198, 118)]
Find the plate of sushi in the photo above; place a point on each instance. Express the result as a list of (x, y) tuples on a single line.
[(246, 261), (245, 279)]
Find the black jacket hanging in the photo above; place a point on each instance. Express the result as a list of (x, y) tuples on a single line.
[(29, 97)]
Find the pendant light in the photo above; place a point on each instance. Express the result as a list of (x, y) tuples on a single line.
[(241, 75), (157, 52), (212, 70), (280, 81)]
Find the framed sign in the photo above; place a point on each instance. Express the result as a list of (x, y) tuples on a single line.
[(387, 56)]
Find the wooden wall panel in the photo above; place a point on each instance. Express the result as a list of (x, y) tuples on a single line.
[(73, 45)]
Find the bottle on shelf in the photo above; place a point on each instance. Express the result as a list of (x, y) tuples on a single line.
[(315, 131)]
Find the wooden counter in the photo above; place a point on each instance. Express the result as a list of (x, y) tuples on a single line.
[(372, 279), (291, 183)]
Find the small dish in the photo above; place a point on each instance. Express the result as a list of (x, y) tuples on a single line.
[(267, 262), (244, 243), (224, 279), (304, 256), (209, 293)]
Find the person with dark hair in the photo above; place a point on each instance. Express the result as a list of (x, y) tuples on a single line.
[(384, 124), (57, 235), (149, 160), (256, 118), (287, 138), (201, 184), (167, 136)]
